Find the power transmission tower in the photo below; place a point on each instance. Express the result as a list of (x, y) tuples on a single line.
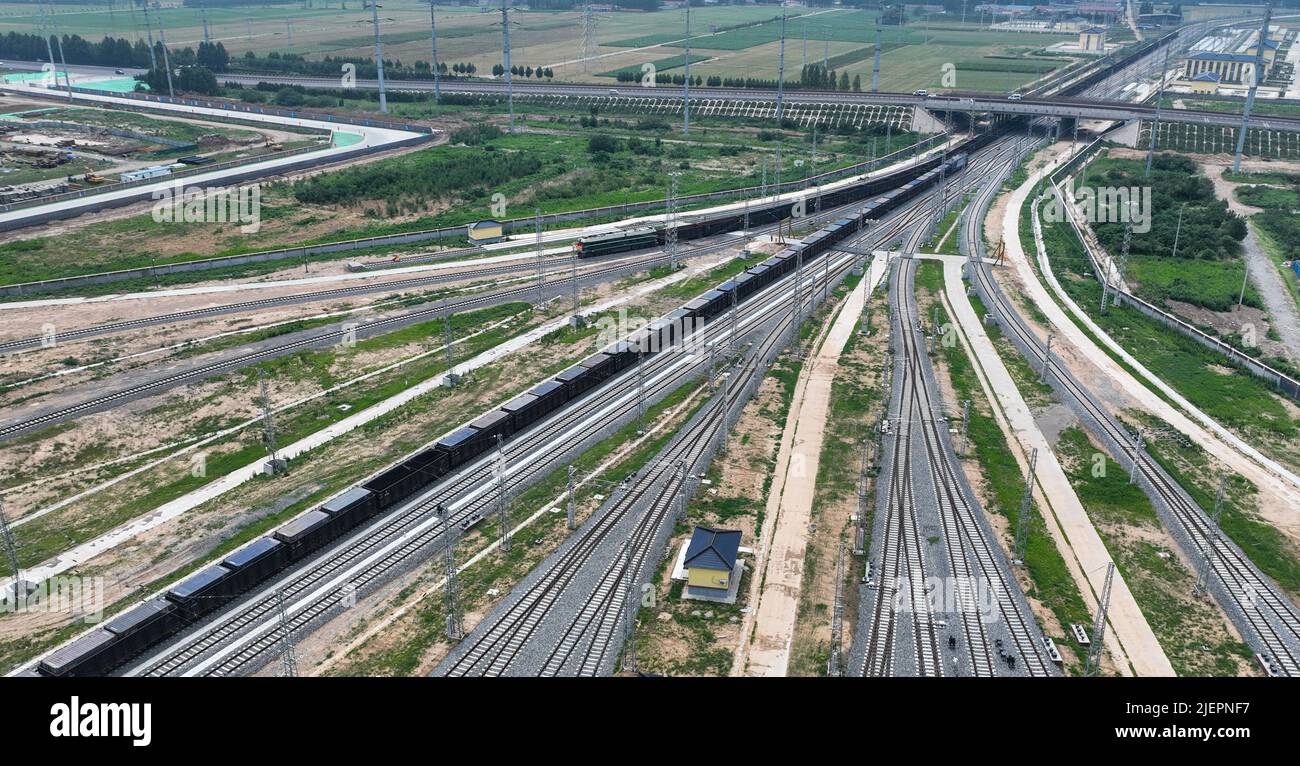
[(503, 501), (1121, 268), (288, 31), (834, 668), (379, 57), (288, 662), (1155, 125), (268, 426), (505, 56), (588, 37), (451, 585), (1026, 508), (433, 53), (860, 520), (1099, 627), (148, 29), (1257, 77), (1211, 543), (573, 284), (875, 64), (682, 489), (780, 71), (686, 79), (203, 14), (640, 390), (167, 67)]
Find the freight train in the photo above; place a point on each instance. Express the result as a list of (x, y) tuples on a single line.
[(641, 237), (131, 633)]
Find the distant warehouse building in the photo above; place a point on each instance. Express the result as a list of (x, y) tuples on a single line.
[(485, 231)]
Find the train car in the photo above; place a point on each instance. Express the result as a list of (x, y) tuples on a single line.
[(523, 411), (356, 504), (616, 241), (391, 486), (31, 671), (144, 626), (623, 354), (577, 381), (264, 557), (461, 446), (206, 591), (94, 654), (489, 427), (763, 276), (745, 287), (305, 533), (550, 397)]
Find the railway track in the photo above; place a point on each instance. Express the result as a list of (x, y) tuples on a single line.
[(590, 640), (111, 328), (320, 340), (971, 560), (375, 550), (396, 538), (1266, 618)]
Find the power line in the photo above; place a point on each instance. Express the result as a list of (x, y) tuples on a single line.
[(1099, 627), (451, 583), (288, 661)]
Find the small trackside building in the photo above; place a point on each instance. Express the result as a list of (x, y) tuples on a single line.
[(485, 231), (711, 558)]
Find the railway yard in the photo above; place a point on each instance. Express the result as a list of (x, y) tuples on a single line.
[(473, 378)]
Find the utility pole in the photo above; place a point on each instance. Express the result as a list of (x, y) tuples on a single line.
[(288, 662), (49, 48), (965, 424), (503, 502), (1047, 359), (1137, 457), (148, 30), (1026, 509), (433, 51), (686, 80), (1099, 627), (860, 520), (11, 550), (573, 284), (670, 225), (451, 584), (570, 511), (834, 667), (1256, 78), (1178, 230), (505, 56), (640, 389), (541, 259), (379, 56), (682, 479), (780, 74), (268, 426), (1211, 542), (452, 377)]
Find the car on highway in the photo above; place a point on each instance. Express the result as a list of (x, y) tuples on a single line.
[(1014, 97), (920, 92), (119, 71), (613, 91)]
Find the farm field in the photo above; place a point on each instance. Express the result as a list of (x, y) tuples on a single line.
[(912, 56)]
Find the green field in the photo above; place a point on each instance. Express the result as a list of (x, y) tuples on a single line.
[(742, 40)]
